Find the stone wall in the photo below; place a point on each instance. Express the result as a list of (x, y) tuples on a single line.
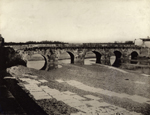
[(2, 58), (8, 56)]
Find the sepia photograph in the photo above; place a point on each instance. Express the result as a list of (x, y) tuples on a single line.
[(74, 57)]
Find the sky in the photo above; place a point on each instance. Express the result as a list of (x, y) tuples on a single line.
[(74, 21)]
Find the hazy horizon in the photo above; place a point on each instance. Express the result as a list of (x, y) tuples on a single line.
[(74, 21)]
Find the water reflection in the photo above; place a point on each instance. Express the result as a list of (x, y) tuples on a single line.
[(64, 61), (36, 64), (112, 59), (36, 61), (89, 61)]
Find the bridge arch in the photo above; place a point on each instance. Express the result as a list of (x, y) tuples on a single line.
[(98, 56), (133, 56), (45, 65), (92, 57), (71, 56), (65, 56), (117, 61), (32, 62)]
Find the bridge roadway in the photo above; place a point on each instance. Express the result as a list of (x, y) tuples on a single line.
[(51, 54)]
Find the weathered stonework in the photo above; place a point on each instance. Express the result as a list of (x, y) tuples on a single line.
[(77, 55), (8, 56)]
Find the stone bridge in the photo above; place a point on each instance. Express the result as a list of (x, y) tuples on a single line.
[(77, 54)]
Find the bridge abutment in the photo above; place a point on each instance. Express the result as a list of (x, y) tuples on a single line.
[(52, 62), (79, 57)]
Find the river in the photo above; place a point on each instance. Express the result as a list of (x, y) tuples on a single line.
[(37, 61), (36, 64), (39, 64)]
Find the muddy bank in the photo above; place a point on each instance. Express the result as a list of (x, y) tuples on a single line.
[(94, 75), (97, 76)]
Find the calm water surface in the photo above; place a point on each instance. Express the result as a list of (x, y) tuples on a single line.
[(39, 64), (36, 64)]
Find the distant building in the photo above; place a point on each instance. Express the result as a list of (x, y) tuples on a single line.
[(143, 42), (145, 51)]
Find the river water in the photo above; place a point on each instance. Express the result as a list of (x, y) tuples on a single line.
[(37, 61), (36, 64), (39, 64)]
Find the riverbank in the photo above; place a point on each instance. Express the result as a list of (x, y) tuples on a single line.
[(105, 77), (113, 86)]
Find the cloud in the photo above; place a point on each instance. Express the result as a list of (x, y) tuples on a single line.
[(74, 21)]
